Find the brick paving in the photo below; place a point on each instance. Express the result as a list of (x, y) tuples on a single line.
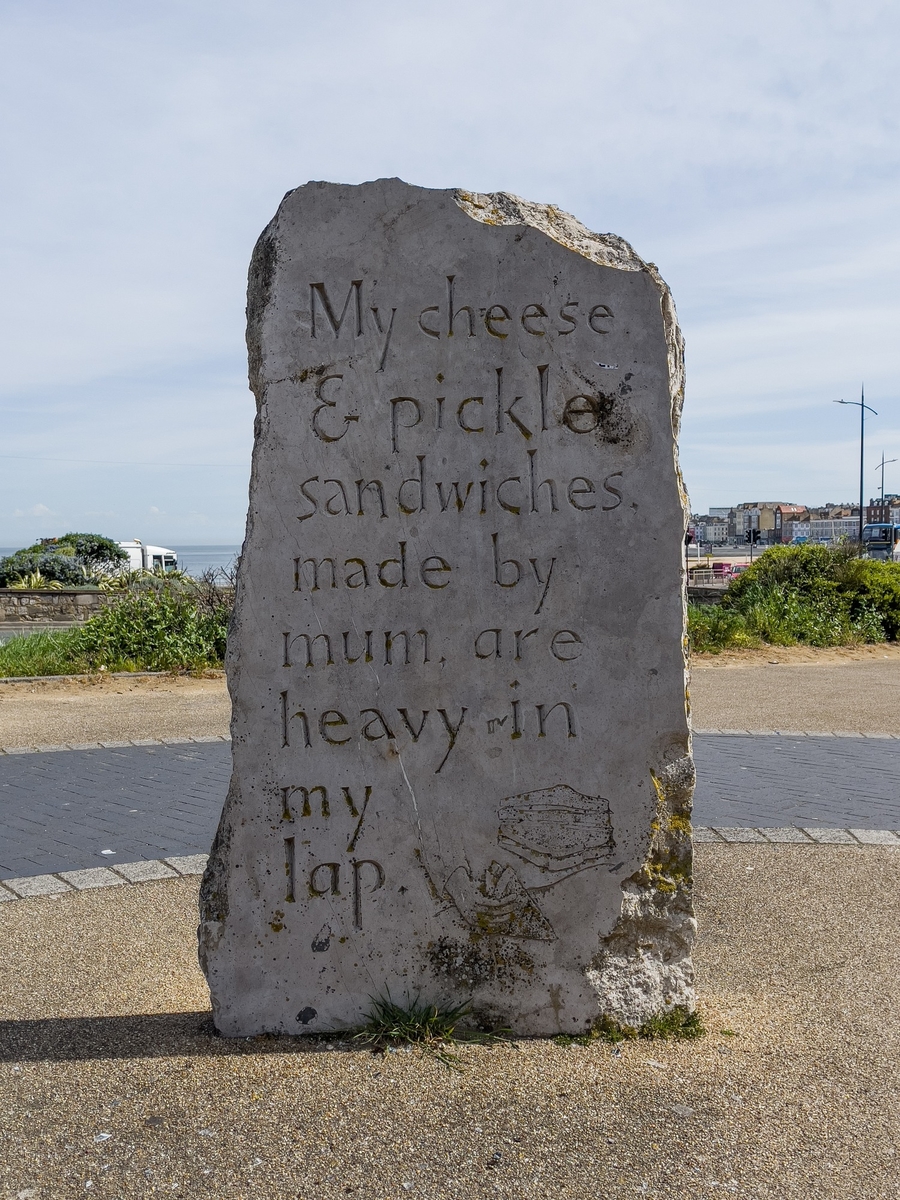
[(60, 810)]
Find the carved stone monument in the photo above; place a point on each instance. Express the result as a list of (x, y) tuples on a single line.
[(461, 751)]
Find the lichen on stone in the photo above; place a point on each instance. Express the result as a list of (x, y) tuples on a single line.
[(644, 966)]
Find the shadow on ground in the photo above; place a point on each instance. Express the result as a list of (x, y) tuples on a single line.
[(151, 1035)]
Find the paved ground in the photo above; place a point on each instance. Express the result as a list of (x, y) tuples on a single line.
[(119, 708), (853, 690), (110, 1077), (72, 809), (853, 695)]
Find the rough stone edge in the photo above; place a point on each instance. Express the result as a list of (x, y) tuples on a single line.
[(644, 966), (604, 249), (177, 863)]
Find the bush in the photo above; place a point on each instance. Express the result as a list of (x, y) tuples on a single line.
[(71, 560), (815, 595), (160, 630), (58, 567), (174, 625)]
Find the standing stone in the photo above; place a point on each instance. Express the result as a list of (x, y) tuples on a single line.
[(461, 751)]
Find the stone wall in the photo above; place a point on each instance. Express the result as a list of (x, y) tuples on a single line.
[(30, 611)]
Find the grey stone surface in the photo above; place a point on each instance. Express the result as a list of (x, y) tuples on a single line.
[(702, 834), (460, 745), (93, 877), (36, 885), (742, 834), (143, 872)]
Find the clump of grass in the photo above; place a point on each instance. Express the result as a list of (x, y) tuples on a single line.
[(42, 654), (678, 1024), (433, 1028), (167, 624)]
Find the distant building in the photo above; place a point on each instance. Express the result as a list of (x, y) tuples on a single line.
[(787, 515), (885, 511), (834, 529)]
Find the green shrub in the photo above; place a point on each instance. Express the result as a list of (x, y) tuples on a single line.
[(814, 595), (161, 630), (712, 629), (57, 567), (71, 560), (175, 625)]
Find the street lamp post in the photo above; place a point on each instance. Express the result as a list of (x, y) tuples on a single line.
[(884, 462), (863, 407)]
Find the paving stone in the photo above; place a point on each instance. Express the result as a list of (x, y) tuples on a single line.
[(142, 872), (875, 837), (146, 742), (5, 895), (92, 877), (786, 834), (36, 885), (739, 835), (830, 837), (188, 864), (700, 834)]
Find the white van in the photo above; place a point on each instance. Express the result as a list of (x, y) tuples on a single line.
[(149, 558)]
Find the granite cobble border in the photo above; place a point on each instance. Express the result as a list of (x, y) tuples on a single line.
[(217, 737), (180, 866), (748, 733), (798, 836), (65, 882)]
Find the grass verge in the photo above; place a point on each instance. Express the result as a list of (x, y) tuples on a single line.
[(678, 1024), (434, 1029)]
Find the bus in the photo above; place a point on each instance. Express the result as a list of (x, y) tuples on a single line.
[(882, 540)]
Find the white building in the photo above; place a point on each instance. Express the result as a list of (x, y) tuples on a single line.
[(833, 530)]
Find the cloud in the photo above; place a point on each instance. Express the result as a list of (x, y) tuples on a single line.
[(37, 510), (751, 151)]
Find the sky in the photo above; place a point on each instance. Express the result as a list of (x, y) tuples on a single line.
[(751, 151)]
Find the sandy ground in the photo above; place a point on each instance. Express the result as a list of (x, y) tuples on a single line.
[(803, 692), (796, 689), (113, 709), (113, 1086)]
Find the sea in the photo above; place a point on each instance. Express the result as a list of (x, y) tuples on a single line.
[(192, 559)]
